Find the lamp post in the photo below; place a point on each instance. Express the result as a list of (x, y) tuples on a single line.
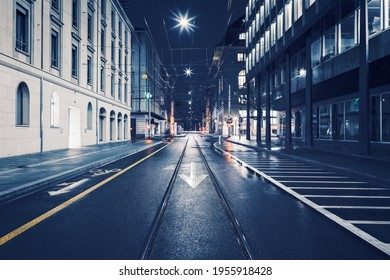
[(148, 98)]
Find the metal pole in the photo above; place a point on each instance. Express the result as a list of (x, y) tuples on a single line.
[(149, 124), (229, 115), (364, 84)]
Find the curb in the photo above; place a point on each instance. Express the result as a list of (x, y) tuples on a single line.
[(35, 186)]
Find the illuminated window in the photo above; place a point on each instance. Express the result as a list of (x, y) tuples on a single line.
[(241, 79), (273, 33), (309, 3), (280, 25), (348, 33), (288, 15), (374, 16), (297, 9)]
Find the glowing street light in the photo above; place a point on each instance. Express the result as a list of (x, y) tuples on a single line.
[(184, 22), (188, 72)]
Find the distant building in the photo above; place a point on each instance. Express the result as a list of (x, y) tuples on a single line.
[(147, 90), (64, 75), (227, 103), (307, 70)]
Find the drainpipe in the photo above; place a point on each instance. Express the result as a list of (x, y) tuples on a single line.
[(41, 114)]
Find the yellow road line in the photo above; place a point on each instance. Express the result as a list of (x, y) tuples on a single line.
[(62, 206)]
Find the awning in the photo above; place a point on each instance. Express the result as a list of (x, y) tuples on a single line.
[(154, 115)]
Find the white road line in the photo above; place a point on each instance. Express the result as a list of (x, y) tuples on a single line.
[(325, 182), (369, 222), (348, 196), (338, 188), (356, 207), (306, 172), (308, 176), (289, 169)]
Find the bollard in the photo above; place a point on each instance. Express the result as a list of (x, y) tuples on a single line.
[(220, 140)]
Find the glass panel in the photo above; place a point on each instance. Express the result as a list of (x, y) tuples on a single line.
[(54, 48), (21, 29), (325, 123), (329, 40), (280, 25), (316, 53), (375, 112), (352, 119), (288, 15), (338, 121), (297, 9), (386, 117), (273, 33), (374, 16), (347, 33), (315, 123), (266, 43)]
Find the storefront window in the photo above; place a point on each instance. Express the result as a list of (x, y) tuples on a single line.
[(315, 123), (352, 119), (338, 121), (348, 33), (386, 117), (325, 122), (375, 112)]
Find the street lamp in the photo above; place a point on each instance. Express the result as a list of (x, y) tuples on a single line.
[(188, 72), (184, 22), (148, 96)]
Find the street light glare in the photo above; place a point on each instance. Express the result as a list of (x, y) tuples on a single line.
[(184, 22), (188, 72)]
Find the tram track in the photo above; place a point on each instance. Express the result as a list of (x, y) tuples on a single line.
[(159, 217)]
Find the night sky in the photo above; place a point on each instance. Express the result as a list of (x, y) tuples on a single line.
[(194, 50)]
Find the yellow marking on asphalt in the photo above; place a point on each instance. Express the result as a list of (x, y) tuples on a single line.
[(62, 206)]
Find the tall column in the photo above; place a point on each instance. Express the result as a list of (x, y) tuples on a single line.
[(268, 110), (308, 100), (248, 111), (287, 95), (259, 111), (364, 85)]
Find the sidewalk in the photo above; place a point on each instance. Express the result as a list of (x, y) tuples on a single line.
[(367, 167), (20, 175)]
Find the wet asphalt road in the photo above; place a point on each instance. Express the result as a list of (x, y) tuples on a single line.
[(113, 221)]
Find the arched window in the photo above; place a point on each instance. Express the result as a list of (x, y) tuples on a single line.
[(102, 125), (22, 105), (89, 116), (126, 127), (112, 125), (54, 110), (241, 79), (120, 129)]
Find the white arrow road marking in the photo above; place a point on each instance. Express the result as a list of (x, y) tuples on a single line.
[(68, 188), (194, 180)]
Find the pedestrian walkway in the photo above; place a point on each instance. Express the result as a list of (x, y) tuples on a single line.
[(375, 168), (20, 175)]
